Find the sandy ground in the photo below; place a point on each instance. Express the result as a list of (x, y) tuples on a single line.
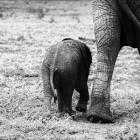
[(26, 30)]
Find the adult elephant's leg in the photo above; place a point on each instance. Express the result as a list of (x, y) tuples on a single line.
[(107, 33)]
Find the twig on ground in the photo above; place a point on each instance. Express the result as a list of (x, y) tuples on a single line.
[(87, 40)]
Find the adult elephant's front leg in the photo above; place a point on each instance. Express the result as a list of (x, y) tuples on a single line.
[(107, 33)]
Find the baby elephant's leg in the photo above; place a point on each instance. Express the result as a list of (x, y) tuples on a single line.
[(82, 88), (60, 101), (67, 84), (67, 100)]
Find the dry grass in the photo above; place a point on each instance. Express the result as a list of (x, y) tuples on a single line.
[(27, 28)]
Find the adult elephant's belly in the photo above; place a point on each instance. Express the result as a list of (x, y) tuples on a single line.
[(130, 23)]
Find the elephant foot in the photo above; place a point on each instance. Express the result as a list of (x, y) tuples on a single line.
[(67, 110), (99, 115), (99, 119), (71, 113), (81, 108)]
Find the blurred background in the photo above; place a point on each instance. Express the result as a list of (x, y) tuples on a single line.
[(45, 7)]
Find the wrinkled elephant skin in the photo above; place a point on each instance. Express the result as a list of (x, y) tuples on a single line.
[(65, 68), (117, 24)]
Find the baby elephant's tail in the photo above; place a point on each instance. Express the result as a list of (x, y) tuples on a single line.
[(55, 81)]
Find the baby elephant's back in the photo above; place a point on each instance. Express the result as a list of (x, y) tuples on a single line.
[(68, 55)]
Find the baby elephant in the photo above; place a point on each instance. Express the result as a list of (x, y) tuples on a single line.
[(65, 68)]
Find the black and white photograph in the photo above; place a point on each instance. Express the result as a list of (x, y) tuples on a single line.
[(69, 69)]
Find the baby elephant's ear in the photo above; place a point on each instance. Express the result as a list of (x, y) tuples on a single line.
[(67, 39)]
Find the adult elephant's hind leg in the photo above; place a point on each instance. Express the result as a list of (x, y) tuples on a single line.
[(107, 32)]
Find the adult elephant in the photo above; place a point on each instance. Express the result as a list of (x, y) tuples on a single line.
[(117, 24)]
